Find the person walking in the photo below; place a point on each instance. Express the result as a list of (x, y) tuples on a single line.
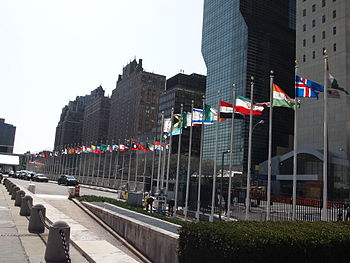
[(347, 210)]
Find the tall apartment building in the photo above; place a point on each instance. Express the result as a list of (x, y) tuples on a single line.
[(182, 89), (7, 137), (70, 125), (241, 39), (324, 24), (96, 117), (134, 102)]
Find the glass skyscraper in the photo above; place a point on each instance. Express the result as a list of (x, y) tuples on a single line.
[(244, 38)]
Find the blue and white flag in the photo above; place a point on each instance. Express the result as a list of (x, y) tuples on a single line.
[(302, 90)]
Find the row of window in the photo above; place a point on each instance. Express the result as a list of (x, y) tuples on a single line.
[(314, 52), (313, 38), (313, 22), (323, 4)]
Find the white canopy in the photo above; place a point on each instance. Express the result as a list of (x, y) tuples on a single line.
[(9, 159)]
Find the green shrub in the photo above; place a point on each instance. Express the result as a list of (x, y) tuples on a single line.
[(93, 198), (265, 242)]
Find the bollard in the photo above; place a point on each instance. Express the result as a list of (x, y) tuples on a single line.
[(5, 181), (57, 248), (77, 190), (12, 185), (19, 195), (37, 219), (31, 188), (14, 191), (9, 186), (26, 205)]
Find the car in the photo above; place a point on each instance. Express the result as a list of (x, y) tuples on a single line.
[(11, 174), (17, 174), (40, 178), (67, 180)]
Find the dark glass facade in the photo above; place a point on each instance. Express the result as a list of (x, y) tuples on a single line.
[(243, 39), (7, 137)]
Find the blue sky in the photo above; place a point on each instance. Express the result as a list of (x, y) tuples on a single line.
[(53, 51)]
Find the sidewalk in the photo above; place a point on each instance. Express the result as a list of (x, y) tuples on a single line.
[(85, 246)]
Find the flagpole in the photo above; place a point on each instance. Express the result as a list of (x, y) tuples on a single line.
[(325, 140), (104, 164), (295, 156), (189, 164), (178, 159), (129, 171), (145, 168), (170, 147), (98, 165), (200, 163), (110, 165), (160, 152), (117, 167), (247, 200), (123, 164), (211, 218), (153, 161), (163, 166), (231, 151), (136, 168), (89, 164), (84, 166)]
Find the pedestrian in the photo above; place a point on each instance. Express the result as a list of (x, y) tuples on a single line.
[(149, 206), (347, 210), (340, 214), (171, 205)]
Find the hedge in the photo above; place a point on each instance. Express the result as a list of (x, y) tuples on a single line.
[(249, 241), (93, 198)]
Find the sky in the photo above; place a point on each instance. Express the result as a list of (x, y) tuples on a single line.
[(53, 51)]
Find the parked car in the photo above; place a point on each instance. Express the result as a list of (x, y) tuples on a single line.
[(40, 178), (67, 180), (11, 174)]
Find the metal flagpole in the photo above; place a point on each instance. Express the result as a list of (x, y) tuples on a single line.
[(104, 165), (98, 166), (117, 168), (110, 165), (93, 166), (178, 159), (228, 213), (211, 218), (129, 171), (295, 156), (84, 166), (89, 165), (170, 147), (122, 175), (189, 164), (247, 199), (144, 168), (136, 169), (200, 163), (269, 170), (80, 163), (163, 166), (325, 140), (152, 172), (160, 152)]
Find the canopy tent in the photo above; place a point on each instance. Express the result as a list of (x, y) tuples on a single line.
[(9, 159)]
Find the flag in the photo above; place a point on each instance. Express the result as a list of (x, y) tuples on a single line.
[(211, 114), (332, 83), (115, 147), (243, 106), (311, 84), (167, 125), (157, 146), (333, 94), (122, 147), (281, 99), (302, 90), (197, 116), (226, 110), (177, 126), (150, 147)]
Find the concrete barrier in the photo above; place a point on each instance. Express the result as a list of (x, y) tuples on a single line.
[(14, 191), (19, 195), (31, 188), (26, 205), (57, 249), (37, 219), (156, 244)]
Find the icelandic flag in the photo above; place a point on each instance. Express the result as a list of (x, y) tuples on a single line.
[(303, 90)]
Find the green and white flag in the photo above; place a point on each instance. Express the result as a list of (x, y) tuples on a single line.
[(281, 99)]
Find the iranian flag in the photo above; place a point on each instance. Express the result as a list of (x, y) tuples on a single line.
[(281, 99), (243, 106)]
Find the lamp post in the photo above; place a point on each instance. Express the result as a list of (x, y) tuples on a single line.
[(221, 181)]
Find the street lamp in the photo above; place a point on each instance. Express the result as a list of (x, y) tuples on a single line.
[(256, 124), (221, 181)]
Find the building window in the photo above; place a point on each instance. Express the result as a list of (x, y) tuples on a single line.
[(323, 19), (304, 27), (334, 13), (304, 43), (334, 47), (313, 54), (304, 12), (304, 58), (313, 8), (313, 39), (323, 34), (334, 30), (323, 3), (313, 23)]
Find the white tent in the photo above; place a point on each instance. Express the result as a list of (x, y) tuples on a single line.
[(9, 159)]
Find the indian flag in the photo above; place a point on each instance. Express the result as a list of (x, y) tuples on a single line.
[(243, 106), (281, 99)]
